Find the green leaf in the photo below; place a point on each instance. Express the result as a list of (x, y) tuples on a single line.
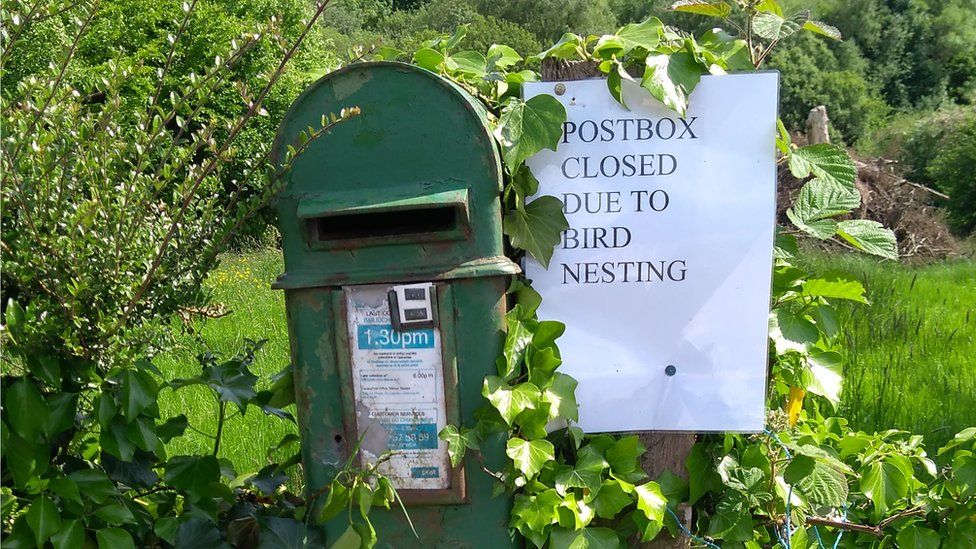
[(962, 437), (172, 428), (569, 46), (502, 56), (884, 483), (27, 413), (821, 28), (282, 533), (964, 473), (835, 286), (192, 474), (428, 58), (116, 538), (71, 535), (561, 396), (611, 499), (826, 375), (166, 527), (198, 533), (510, 401), (587, 473), (532, 515), (653, 504), (348, 540), (44, 519), (646, 34), (702, 477), (624, 453), (139, 391), (770, 26), (470, 63), (517, 338), (529, 455), (47, 368), (818, 200), (66, 488), (869, 236), (672, 78), (458, 442), (527, 127), (335, 502), (115, 514), (703, 7), (537, 228), (827, 162), (587, 538), (795, 329), (771, 6), (918, 537), (93, 484), (541, 365), (822, 485)]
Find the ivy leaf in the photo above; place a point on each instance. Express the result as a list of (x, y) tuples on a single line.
[(652, 503), (827, 162), (884, 483), (532, 515), (561, 396), (672, 78), (587, 538), (529, 455), (193, 474), (510, 401), (823, 29), (527, 127), (623, 455), (537, 227), (44, 519), (611, 499), (569, 46), (869, 236), (458, 441), (541, 365), (517, 339), (703, 7), (770, 26)]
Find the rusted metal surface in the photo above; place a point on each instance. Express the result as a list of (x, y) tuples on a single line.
[(420, 144)]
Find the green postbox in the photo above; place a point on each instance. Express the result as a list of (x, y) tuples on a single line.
[(394, 287)]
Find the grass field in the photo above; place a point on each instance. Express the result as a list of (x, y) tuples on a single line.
[(912, 354)]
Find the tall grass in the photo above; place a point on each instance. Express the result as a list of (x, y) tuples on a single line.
[(242, 284), (911, 354)]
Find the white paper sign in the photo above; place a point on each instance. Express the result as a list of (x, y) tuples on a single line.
[(663, 279), (398, 383)]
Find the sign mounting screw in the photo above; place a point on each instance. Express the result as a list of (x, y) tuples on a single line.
[(560, 89), (670, 370)]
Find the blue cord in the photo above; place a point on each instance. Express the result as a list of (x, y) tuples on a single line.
[(688, 533)]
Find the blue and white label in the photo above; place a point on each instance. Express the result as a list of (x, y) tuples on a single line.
[(383, 336), (398, 385)]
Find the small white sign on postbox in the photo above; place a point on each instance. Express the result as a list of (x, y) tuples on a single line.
[(663, 279)]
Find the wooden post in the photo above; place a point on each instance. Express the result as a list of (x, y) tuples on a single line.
[(818, 126), (665, 451)]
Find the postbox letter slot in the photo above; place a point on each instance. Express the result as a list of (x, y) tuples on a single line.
[(356, 226)]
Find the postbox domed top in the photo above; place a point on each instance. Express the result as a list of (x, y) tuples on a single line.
[(408, 189)]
